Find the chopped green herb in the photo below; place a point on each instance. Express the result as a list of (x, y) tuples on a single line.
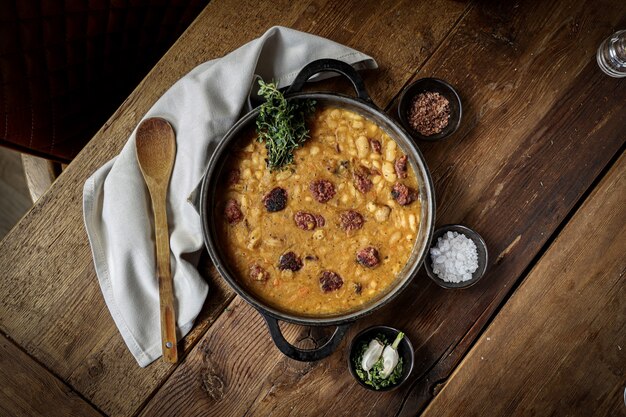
[(281, 124)]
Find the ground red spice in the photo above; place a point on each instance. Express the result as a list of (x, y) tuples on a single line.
[(429, 113)]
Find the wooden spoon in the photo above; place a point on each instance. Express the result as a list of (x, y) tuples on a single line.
[(156, 150)]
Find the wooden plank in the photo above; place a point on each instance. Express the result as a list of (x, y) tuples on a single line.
[(28, 389), (544, 91), (15, 200), (541, 122), (567, 354), (40, 174), (51, 303)]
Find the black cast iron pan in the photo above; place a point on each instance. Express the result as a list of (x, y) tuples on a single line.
[(363, 105)]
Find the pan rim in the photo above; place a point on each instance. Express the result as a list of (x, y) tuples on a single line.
[(209, 182)]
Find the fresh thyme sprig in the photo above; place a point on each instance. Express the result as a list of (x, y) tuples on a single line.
[(281, 124)]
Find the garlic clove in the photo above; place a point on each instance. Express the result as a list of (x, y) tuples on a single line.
[(390, 360), (372, 354)]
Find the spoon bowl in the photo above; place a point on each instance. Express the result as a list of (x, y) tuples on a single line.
[(156, 149)]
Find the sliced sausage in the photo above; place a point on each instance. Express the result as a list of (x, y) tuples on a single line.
[(322, 190), (257, 273), (330, 281), (362, 181), (305, 221), (403, 194), (233, 176), (368, 257), (308, 221), (351, 220), (401, 166), (275, 200), (232, 212), (289, 261), (376, 146), (319, 219)]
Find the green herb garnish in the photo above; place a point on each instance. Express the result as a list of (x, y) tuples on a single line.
[(374, 377), (281, 124)]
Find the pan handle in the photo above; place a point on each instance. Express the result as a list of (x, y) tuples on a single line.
[(304, 355), (332, 65)]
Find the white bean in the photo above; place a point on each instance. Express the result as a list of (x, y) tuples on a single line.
[(382, 213), (412, 222), (388, 172), (273, 242), (254, 239), (362, 146), (394, 238), (372, 129), (283, 175), (390, 151)]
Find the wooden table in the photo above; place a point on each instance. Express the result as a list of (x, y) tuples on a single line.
[(537, 167)]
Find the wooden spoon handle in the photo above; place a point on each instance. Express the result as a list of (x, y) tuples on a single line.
[(166, 286)]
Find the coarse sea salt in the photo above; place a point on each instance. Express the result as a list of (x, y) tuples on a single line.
[(455, 257)]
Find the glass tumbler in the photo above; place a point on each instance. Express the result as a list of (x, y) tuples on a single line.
[(611, 55)]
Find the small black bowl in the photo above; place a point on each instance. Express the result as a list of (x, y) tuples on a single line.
[(436, 85), (405, 350), (481, 248)]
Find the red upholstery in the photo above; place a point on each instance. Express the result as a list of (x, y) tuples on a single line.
[(66, 65)]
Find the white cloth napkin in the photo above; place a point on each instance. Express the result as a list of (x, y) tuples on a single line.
[(201, 107)]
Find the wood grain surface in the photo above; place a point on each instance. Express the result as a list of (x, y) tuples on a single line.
[(14, 196), (28, 389), (558, 347), (40, 174), (52, 305), (540, 124)]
